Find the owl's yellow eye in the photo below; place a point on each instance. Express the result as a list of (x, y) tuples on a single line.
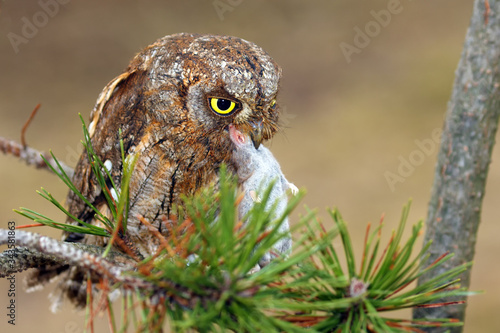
[(222, 106), (272, 104)]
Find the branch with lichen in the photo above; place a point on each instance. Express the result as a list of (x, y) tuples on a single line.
[(36, 250), (27, 254)]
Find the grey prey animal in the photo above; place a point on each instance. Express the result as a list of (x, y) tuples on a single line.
[(257, 168)]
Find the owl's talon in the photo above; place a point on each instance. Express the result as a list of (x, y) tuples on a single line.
[(294, 189)]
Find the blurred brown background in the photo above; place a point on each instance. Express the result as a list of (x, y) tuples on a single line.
[(348, 123)]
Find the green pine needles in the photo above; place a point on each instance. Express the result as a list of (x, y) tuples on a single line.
[(204, 277), (119, 209)]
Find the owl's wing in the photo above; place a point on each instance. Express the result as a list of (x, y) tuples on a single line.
[(116, 99), (117, 103)]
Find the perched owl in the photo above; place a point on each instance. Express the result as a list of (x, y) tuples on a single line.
[(174, 105), (256, 169)]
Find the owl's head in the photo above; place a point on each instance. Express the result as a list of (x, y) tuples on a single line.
[(212, 82), (182, 93)]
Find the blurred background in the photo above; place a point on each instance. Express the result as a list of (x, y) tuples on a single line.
[(351, 117)]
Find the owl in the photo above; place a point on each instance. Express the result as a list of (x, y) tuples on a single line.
[(174, 105)]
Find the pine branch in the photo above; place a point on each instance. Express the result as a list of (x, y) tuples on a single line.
[(203, 275), (195, 274)]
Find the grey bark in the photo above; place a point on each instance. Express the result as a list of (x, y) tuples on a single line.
[(464, 157)]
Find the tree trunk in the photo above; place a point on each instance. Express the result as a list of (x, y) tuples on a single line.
[(466, 145)]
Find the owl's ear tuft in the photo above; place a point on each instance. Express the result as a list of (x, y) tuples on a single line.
[(104, 97), (120, 99)]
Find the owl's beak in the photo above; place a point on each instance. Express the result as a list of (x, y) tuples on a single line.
[(256, 133)]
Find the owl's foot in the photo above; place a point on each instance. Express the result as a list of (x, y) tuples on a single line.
[(294, 189)]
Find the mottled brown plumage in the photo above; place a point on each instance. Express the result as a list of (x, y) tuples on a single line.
[(162, 104)]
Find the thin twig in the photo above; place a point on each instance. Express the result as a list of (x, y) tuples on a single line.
[(31, 156), (27, 123)]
